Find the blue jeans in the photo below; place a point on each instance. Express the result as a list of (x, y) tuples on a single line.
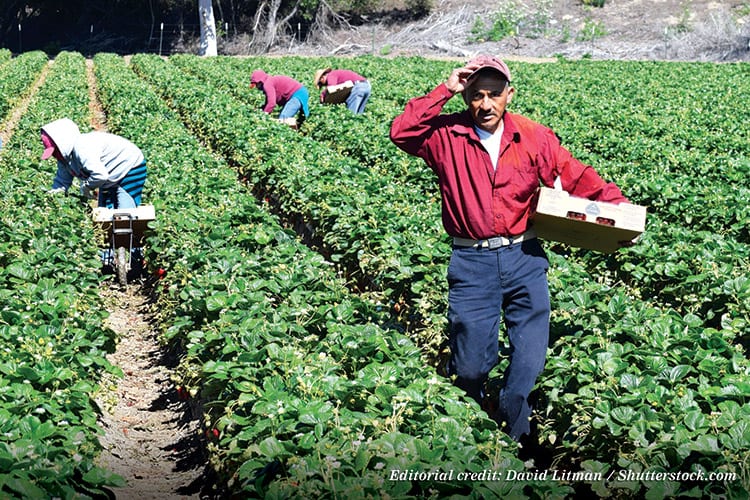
[(127, 193), (358, 97), (484, 283), (298, 101), (124, 200)]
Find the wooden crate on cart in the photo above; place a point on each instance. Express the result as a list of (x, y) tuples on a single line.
[(123, 230)]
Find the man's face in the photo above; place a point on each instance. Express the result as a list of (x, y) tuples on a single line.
[(487, 95)]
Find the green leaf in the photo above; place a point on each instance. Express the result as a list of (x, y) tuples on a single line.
[(25, 487), (262, 237), (316, 412), (675, 373), (103, 477), (42, 430), (659, 490), (362, 458), (7, 459), (623, 414), (249, 468), (629, 381), (740, 434), (216, 302), (695, 420), (21, 271), (705, 444), (271, 447)]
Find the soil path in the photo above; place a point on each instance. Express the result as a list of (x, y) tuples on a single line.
[(7, 128), (98, 117), (150, 438)]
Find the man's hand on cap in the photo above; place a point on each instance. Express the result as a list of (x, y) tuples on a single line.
[(457, 80)]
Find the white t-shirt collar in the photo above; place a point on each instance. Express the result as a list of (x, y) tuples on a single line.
[(491, 142)]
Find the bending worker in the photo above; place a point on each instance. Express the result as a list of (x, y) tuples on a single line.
[(359, 93), (283, 90), (101, 161), (489, 164)]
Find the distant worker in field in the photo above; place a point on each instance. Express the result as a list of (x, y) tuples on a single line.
[(489, 164), (354, 89), (103, 162), (284, 91)]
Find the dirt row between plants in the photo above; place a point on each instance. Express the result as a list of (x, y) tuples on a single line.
[(151, 439), (6, 131)]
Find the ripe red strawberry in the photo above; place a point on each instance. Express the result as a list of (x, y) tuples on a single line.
[(182, 394)]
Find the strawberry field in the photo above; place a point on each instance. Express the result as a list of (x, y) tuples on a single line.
[(301, 275)]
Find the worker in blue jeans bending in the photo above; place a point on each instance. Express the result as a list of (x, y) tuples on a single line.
[(107, 166), (103, 162)]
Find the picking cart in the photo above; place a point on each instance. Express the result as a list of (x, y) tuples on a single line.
[(123, 232)]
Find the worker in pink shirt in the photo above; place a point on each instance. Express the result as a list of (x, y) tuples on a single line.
[(489, 165), (360, 89), (283, 91)]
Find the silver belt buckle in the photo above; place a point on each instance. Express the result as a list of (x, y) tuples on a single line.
[(499, 241)]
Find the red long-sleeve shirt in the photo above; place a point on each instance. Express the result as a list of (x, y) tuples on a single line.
[(478, 201), (277, 88), (336, 76)]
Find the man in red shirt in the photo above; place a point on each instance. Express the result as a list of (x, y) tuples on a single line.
[(490, 163), (360, 90)]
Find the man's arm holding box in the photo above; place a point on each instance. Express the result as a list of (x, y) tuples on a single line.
[(334, 94)]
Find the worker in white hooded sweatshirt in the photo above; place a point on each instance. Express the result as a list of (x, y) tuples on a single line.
[(101, 161)]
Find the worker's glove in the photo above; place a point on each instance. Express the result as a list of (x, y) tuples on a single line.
[(629, 243), (87, 193), (56, 191)]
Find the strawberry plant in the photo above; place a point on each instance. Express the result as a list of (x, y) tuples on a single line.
[(308, 394), (17, 76), (53, 334), (694, 288), (346, 212), (308, 360)]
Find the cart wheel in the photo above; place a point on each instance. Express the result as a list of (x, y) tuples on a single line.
[(121, 263)]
